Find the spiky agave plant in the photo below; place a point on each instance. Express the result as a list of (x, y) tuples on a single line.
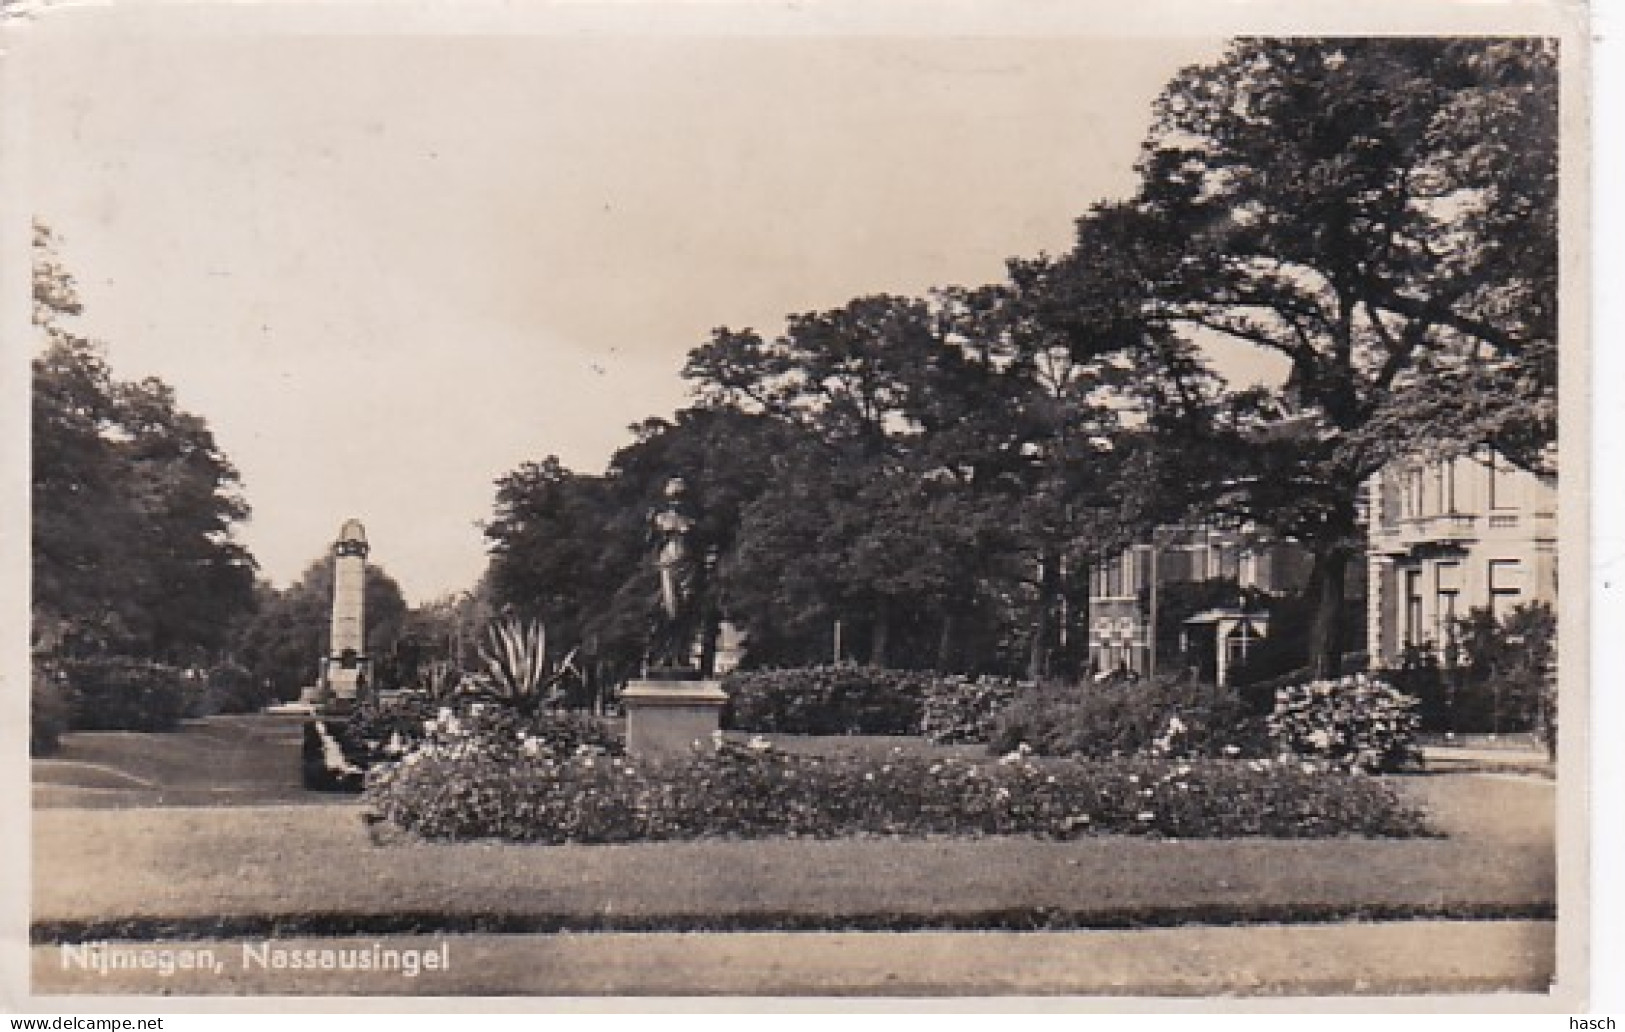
[(515, 655), (439, 678)]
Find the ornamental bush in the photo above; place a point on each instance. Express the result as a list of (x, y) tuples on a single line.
[(230, 688), (463, 784), (1352, 723), (958, 710), (48, 712), (1169, 716), (826, 700), (119, 694)]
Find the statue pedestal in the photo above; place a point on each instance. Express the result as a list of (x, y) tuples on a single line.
[(666, 717)]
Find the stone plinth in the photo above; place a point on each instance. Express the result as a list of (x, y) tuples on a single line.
[(665, 717)]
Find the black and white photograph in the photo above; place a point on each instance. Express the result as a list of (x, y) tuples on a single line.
[(809, 502)]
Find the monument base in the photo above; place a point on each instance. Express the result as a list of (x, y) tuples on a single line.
[(666, 717)]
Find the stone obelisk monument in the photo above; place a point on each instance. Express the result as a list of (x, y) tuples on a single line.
[(674, 703), (344, 671)]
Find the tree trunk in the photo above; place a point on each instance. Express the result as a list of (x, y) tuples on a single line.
[(1326, 582), (945, 644), (1048, 588), (881, 632)]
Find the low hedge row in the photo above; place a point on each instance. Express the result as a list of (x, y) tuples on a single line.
[(120, 694), (1167, 716), (834, 699), (456, 786)]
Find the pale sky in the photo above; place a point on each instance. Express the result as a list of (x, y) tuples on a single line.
[(389, 269)]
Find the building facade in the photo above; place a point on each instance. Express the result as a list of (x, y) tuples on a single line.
[(1451, 536), (1124, 595)]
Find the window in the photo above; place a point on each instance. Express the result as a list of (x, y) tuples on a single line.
[(1444, 477), (1506, 586), (1448, 589), (1502, 486), (1413, 607), (1240, 643)]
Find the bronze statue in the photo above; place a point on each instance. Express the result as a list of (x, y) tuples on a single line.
[(676, 624)]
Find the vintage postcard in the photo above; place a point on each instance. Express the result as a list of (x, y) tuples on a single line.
[(664, 504)]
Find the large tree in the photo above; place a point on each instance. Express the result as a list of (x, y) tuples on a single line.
[(1380, 212), (134, 504)]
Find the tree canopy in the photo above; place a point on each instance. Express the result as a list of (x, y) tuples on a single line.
[(1380, 212), (934, 476), (134, 504)]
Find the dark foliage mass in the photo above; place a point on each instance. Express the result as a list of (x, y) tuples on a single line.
[(924, 483), (827, 700), (1492, 677), (1119, 717), (133, 503), (120, 694)]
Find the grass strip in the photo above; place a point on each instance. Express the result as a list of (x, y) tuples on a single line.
[(1015, 919)]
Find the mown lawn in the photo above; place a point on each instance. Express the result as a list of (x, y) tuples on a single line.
[(192, 870)]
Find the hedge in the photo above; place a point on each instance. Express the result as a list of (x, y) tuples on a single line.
[(826, 700)]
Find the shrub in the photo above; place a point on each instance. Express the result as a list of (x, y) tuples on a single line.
[(959, 710), (826, 700), (48, 712), (1352, 723), (119, 694), (230, 688), (461, 786), (1507, 681), (1167, 715)]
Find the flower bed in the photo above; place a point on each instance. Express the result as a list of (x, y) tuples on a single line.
[(384, 731), (459, 785)]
